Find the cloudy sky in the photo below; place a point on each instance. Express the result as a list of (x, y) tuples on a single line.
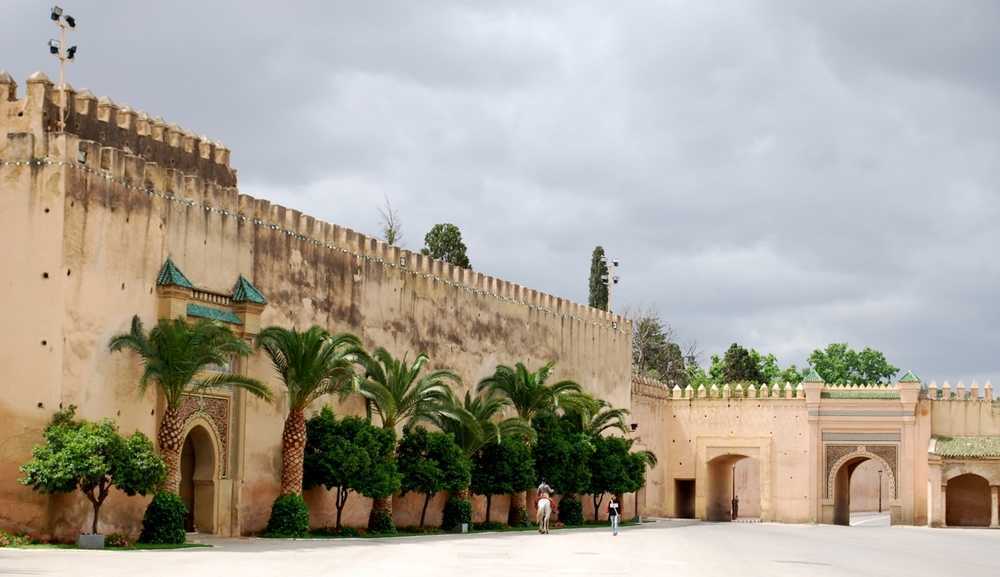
[(781, 174)]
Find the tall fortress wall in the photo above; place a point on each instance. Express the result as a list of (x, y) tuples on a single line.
[(91, 213)]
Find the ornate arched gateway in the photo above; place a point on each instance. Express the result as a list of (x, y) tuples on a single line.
[(841, 463)]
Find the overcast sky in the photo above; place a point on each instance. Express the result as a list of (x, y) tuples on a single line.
[(781, 174)]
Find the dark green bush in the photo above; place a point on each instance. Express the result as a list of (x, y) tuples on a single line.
[(381, 523), (289, 517), (335, 532), (491, 526), (456, 512), (570, 511), (164, 520)]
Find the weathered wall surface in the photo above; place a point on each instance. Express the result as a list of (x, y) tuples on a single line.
[(101, 220)]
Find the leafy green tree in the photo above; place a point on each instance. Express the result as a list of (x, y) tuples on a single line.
[(839, 364), (610, 469), (599, 278), (791, 375), (444, 242), (181, 358), (639, 462), (430, 462), (478, 420), (310, 364), (530, 394), (402, 395), (501, 469), (738, 366), (562, 454), (348, 455), (92, 457)]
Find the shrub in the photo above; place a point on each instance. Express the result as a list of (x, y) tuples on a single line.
[(289, 517), (489, 526), (570, 511), (456, 512), (164, 520), (119, 540), (338, 532), (381, 522), (12, 540)]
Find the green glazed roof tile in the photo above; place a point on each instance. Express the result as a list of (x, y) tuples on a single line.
[(977, 447), (196, 310), (812, 377), (856, 394), (245, 292), (909, 377), (170, 275)]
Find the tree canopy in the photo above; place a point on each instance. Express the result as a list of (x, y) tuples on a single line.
[(92, 457), (610, 469), (502, 468), (444, 242), (350, 454), (562, 454), (839, 364), (430, 462), (654, 351)]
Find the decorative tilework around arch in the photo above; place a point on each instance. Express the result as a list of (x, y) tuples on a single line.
[(838, 455), (216, 411)]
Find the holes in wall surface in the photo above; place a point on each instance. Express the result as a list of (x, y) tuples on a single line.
[(46, 211), (40, 404), (45, 275), (20, 114), (68, 271), (123, 286), (45, 343)]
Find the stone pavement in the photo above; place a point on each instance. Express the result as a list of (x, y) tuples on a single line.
[(666, 549)]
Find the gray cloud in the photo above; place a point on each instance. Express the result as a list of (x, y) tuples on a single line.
[(777, 173)]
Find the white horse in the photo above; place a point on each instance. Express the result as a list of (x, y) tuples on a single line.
[(543, 514)]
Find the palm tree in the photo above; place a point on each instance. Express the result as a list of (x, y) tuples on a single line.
[(181, 358), (529, 394), (311, 364), (473, 421), (401, 397), (593, 416)]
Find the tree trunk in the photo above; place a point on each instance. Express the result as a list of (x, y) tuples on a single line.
[(517, 513), (170, 438), (341, 501), (97, 501), (597, 506), (489, 500), (380, 504), (293, 447), (423, 513)]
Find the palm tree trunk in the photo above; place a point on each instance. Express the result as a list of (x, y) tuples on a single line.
[(293, 446), (170, 439), (518, 512)]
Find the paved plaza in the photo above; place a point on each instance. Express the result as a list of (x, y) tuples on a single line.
[(666, 549)]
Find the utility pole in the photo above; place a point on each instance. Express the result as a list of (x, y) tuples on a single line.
[(65, 22)]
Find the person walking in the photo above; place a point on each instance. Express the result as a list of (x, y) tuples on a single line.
[(614, 510)]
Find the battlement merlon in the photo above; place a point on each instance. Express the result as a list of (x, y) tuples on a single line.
[(106, 123)]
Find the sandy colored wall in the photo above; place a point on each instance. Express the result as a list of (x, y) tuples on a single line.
[(104, 239)]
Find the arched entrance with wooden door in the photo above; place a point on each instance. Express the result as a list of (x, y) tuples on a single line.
[(199, 477), (967, 501), (841, 475), (729, 476)]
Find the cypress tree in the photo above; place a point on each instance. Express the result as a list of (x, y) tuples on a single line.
[(598, 286)]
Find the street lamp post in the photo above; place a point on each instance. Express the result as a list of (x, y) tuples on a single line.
[(65, 54), (610, 278), (880, 490), (736, 502)]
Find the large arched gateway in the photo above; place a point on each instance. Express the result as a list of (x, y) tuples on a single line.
[(967, 501)]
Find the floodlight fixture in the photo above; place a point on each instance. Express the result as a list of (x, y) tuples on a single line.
[(70, 21), (53, 47), (71, 53), (56, 12)]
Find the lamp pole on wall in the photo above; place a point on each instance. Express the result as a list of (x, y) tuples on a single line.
[(735, 504), (880, 490), (610, 279), (65, 54)]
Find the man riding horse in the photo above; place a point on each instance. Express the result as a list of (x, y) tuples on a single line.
[(543, 505)]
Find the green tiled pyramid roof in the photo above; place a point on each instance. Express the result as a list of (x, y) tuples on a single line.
[(909, 377), (170, 275), (977, 447), (245, 292), (812, 377)]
